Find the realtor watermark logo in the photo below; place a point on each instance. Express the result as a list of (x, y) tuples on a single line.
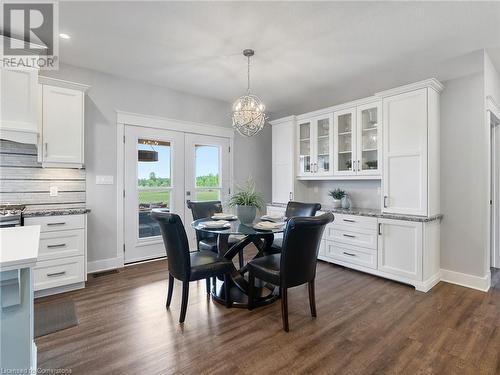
[(30, 34)]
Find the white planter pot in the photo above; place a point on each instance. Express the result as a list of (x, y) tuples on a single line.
[(246, 214), (336, 203)]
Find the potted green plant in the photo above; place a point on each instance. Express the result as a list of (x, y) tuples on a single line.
[(337, 196), (246, 200)]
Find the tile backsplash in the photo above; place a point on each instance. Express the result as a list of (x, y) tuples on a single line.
[(24, 181)]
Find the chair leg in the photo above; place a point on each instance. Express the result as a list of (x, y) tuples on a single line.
[(227, 288), (284, 308), (240, 256), (312, 298), (251, 290), (214, 284), (207, 280), (184, 303), (170, 289)]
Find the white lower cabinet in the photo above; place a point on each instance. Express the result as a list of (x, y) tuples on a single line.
[(62, 257), (400, 248)]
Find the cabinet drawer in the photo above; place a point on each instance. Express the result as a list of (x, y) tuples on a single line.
[(59, 272), (353, 221), (61, 244), (360, 237), (352, 254), (53, 223)]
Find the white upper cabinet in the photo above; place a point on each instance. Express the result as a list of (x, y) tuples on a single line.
[(19, 105), (358, 138), (369, 139), (62, 120), (283, 132), (410, 182), (315, 146), (345, 142)]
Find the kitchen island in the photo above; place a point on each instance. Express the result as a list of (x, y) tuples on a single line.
[(18, 255)]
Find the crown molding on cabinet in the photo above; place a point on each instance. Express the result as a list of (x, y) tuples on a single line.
[(282, 120), (62, 83), (432, 83), (492, 106), (335, 108)]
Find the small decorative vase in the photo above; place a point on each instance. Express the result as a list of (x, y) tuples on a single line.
[(336, 203), (246, 214), (346, 202)]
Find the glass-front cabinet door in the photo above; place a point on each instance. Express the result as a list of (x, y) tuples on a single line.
[(304, 148), (345, 142), (369, 139), (323, 145)]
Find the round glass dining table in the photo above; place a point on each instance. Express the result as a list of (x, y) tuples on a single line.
[(262, 239)]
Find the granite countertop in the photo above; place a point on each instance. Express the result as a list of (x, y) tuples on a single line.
[(33, 212), (371, 213)]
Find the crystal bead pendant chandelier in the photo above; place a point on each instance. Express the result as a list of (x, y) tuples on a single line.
[(248, 111)]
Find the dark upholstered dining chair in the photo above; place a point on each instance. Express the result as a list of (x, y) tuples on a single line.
[(296, 265), (294, 209), (186, 266)]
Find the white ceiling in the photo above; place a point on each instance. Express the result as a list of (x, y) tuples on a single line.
[(308, 55)]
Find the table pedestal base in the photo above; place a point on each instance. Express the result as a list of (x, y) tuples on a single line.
[(265, 295)]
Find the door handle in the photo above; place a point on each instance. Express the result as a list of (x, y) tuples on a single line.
[(290, 196), (349, 220), (60, 223), (379, 229), (348, 235), (358, 166), (385, 201), (350, 254), (46, 146)]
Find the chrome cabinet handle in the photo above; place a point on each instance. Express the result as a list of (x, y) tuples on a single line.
[(46, 146), (56, 274), (60, 223), (348, 235), (350, 254), (385, 201), (349, 220), (379, 229), (358, 166), (55, 246), (290, 196)]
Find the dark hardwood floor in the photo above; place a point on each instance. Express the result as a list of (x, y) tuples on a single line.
[(365, 325)]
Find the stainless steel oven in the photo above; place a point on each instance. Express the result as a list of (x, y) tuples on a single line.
[(11, 215)]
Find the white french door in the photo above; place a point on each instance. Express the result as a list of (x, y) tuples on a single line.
[(154, 178), (164, 169), (207, 173)]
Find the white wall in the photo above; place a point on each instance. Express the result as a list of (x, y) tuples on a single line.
[(363, 194), (464, 176), (109, 93)]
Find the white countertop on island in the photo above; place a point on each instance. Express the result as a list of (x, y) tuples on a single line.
[(19, 247)]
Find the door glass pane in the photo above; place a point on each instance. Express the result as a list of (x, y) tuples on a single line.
[(323, 145), (345, 142), (154, 182), (369, 141), (305, 147), (207, 167)]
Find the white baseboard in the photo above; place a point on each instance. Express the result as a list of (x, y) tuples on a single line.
[(104, 265), (470, 281)]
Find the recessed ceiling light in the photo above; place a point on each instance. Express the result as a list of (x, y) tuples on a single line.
[(64, 36)]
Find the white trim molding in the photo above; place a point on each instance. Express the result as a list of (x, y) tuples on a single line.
[(104, 265), (432, 83), (470, 281), (129, 118)]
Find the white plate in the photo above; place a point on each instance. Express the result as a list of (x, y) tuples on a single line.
[(224, 217), (267, 225), (275, 218), (215, 224)]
